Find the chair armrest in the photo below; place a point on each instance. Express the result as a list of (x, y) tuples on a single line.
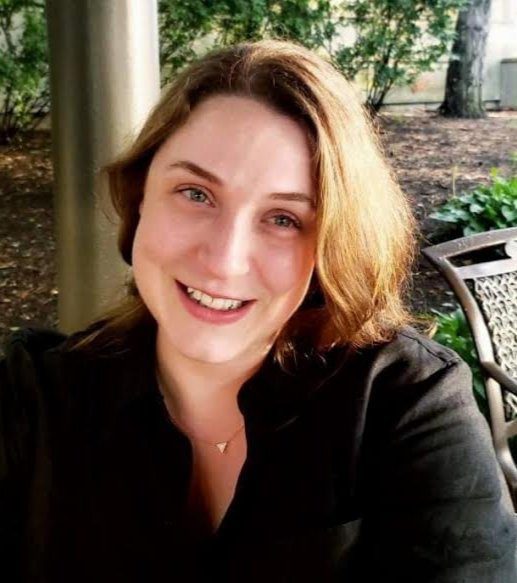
[(500, 375)]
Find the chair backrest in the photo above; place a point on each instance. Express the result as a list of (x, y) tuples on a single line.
[(497, 297), (482, 271)]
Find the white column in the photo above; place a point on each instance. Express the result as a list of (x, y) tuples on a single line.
[(104, 63)]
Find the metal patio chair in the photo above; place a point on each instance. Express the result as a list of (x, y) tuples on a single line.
[(482, 271)]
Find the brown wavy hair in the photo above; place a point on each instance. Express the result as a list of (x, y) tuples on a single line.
[(366, 231)]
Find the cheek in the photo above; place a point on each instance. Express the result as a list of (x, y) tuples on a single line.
[(288, 271), (157, 240)]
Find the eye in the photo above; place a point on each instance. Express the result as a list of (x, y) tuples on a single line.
[(195, 195), (286, 222)]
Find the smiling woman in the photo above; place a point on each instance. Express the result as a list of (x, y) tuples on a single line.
[(257, 408), (228, 224)]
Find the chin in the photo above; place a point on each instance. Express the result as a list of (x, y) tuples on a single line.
[(211, 355)]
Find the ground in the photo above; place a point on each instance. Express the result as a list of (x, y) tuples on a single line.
[(431, 157)]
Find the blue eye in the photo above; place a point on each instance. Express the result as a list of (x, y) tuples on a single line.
[(283, 221), (195, 195), (286, 222)]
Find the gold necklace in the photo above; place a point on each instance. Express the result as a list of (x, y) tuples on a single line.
[(222, 446)]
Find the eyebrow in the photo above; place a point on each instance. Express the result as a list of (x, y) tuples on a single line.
[(194, 168)]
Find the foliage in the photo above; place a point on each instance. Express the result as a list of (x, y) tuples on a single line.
[(23, 66), (182, 23), (452, 330), (309, 22), (188, 27), (395, 40), (485, 208)]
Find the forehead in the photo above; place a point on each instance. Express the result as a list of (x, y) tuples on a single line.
[(242, 140)]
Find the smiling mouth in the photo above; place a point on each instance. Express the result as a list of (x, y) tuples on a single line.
[(216, 304)]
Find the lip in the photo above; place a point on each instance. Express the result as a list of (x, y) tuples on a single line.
[(208, 315), (213, 294)]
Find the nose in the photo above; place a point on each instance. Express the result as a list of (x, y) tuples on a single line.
[(225, 250)]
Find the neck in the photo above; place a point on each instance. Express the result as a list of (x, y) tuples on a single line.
[(202, 394)]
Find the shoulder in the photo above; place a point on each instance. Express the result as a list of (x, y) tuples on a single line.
[(414, 380), (411, 357), (34, 358), (429, 476), (43, 350), (395, 393), (25, 353), (42, 372), (410, 343), (420, 416), (23, 360), (45, 383), (31, 342), (49, 358), (21, 394), (409, 363), (387, 377)]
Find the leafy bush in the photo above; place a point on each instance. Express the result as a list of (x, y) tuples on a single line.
[(395, 40), (24, 85), (188, 27), (485, 208), (181, 25), (389, 41), (452, 330)]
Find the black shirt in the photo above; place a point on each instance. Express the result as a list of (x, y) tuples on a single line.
[(372, 465)]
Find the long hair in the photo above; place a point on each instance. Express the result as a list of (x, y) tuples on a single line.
[(365, 228)]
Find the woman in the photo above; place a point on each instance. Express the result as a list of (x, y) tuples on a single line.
[(257, 409)]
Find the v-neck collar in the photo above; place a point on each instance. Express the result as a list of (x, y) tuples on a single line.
[(271, 399)]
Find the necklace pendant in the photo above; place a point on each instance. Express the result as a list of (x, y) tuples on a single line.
[(222, 446)]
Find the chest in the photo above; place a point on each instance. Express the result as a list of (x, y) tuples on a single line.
[(129, 498), (213, 481)]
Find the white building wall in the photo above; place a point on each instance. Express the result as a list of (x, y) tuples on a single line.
[(429, 88), (501, 44)]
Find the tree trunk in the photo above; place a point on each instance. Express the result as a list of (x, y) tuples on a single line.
[(464, 84)]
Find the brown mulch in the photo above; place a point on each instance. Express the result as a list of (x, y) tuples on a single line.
[(434, 157), (28, 294), (428, 153)]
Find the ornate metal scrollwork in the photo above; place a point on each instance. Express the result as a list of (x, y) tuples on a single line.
[(497, 297)]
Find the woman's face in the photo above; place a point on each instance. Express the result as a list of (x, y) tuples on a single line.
[(224, 250)]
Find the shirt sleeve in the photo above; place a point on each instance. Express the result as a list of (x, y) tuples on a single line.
[(436, 509), (10, 472), (18, 418)]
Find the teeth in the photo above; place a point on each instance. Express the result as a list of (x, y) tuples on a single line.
[(213, 303)]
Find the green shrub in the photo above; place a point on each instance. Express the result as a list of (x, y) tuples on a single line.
[(384, 42), (395, 41), (24, 84), (452, 330), (190, 27), (485, 208)]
